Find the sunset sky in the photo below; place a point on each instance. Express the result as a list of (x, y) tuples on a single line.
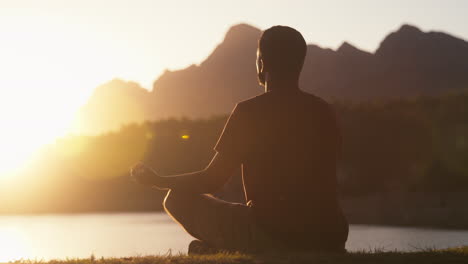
[(54, 52)]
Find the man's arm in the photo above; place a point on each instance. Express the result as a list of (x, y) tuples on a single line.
[(213, 177), (230, 149)]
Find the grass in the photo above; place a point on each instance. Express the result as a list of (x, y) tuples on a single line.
[(454, 255)]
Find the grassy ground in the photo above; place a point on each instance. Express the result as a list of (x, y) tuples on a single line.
[(456, 255)]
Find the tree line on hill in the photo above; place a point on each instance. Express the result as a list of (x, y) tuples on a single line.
[(411, 145)]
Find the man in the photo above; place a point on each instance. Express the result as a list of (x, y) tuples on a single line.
[(286, 142)]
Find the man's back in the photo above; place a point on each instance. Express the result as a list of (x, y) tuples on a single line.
[(288, 144)]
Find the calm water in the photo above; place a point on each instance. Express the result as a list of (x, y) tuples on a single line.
[(70, 236)]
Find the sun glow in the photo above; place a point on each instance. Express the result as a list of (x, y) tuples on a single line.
[(28, 123), (47, 72), (36, 105)]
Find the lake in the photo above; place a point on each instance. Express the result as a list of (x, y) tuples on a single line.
[(45, 237)]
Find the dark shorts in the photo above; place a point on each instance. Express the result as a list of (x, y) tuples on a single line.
[(232, 226), (218, 223)]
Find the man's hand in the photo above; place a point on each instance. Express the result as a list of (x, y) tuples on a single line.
[(144, 175)]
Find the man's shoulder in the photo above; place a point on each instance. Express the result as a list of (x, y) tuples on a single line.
[(316, 100), (252, 101), (313, 101), (321, 107)]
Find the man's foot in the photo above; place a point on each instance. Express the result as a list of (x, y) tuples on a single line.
[(198, 247)]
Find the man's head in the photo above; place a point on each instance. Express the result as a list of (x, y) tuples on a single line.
[(280, 55)]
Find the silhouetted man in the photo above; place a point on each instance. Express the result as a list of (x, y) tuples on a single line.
[(286, 142)]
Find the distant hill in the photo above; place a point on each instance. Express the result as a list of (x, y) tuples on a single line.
[(112, 105), (408, 62)]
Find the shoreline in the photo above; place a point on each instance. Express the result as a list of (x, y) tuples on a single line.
[(463, 226)]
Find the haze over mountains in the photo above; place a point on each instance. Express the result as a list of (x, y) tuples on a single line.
[(407, 63)]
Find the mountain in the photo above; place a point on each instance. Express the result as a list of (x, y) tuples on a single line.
[(226, 77), (414, 62), (408, 62), (112, 105)]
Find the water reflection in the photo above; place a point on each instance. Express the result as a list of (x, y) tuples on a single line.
[(70, 236), (46, 237), (13, 244)]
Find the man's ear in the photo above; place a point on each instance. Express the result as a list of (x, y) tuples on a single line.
[(261, 74), (261, 65)]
